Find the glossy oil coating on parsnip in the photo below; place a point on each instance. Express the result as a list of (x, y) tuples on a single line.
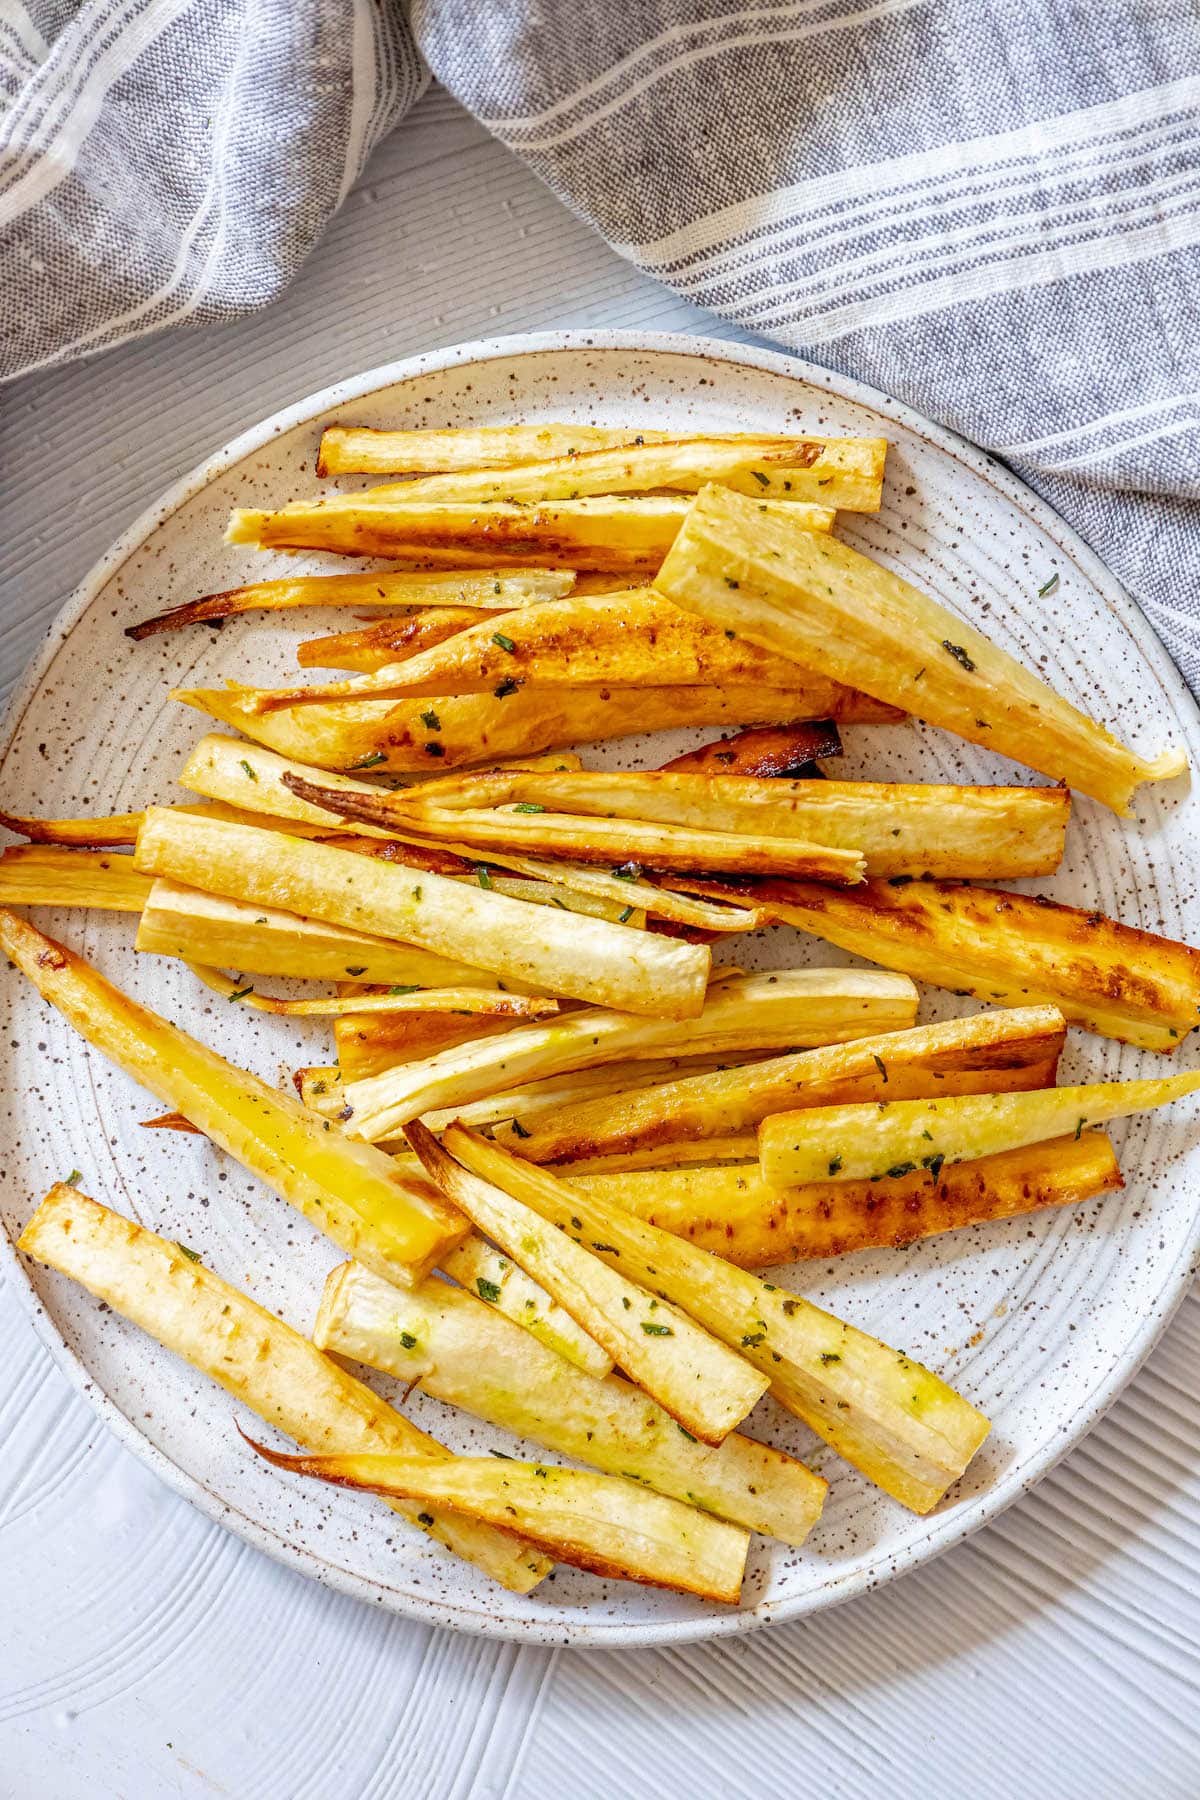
[(503, 1287), (898, 1423), (258, 1359), (396, 737), (631, 639), (836, 472), (363, 450), (705, 1386), (495, 589), (750, 1012), (617, 842), (359, 1197), (47, 875), (391, 640), (264, 940), (462, 1354), (556, 953), (734, 1213), (813, 598), (901, 828), (869, 1143), (1010, 948), (601, 1523), (987, 1052)]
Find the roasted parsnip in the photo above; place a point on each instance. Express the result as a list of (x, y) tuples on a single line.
[(750, 1012), (1011, 948), (555, 953), (806, 595), (462, 1354), (889, 1416), (706, 1387), (873, 1143), (734, 1213), (988, 1052), (366, 1203), (254, 1356)]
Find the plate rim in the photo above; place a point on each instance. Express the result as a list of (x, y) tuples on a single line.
[(944, 1530)]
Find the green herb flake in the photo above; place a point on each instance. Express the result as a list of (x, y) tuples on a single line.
[(959, 654), (731, 583), (528, 806), (424, 1518), (605, 1249), (752, 1339), (405, 987), (488, 1290), (430, 721), (250, 775), (1079, 1125), (935, 1166), (1049, 587), (759, 476), (627, 914), (519, 1130), (653, 1330), (830, 1356), (408, 1340), (898, 1169), (504, 643), (370, 762), (482, 876), (192, 1255), (505, 688), (240, 993), (74, 1178), (358, 969), (880, 1065), (835, 1163)]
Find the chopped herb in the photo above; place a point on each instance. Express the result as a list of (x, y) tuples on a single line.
[(405, 987), (430, 721), (920, 672), (627, 914), (959, 654), (606, 1249), (626, 1302), (417, 892), (935, 1166), (528, 806), (653, 1330), (880, 1065), (482, 876), (759, 476), (731, 635), (369, 762), (731, 583), (502, 1454), (424, 1518), (408, 1340), (1079, 1127), (488, 1290), (506, 687), (898, 1169), (577, 1223), (495, 587), (241, 993), (753, 1338), (192, 1255), (74, 1178), (358, 969), (687, 1434), (518, 1129), (835, 1163), (1048, 587), (630, 871), (830, 1356), (434, 749), (249, 771), (505, 643)]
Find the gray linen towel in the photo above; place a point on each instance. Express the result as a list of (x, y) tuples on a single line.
[(988, 208)]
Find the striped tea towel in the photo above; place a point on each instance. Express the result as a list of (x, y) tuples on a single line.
[(987, 208)]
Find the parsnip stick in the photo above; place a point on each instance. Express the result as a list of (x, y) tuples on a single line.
[(45, 875), (889, 1416), (751, 1012), (869, 1143), (555, 953), (254, 1356), (358, 1196), (464, 1356)]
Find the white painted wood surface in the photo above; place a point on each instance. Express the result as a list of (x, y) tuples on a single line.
[(146, 1653)]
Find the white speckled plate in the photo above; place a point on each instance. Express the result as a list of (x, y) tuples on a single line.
[(1040, 1321)]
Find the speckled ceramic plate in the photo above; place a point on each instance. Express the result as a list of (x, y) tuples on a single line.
[(1039, 1321)]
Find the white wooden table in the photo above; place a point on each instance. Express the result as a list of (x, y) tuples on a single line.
[(146, 1653)]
